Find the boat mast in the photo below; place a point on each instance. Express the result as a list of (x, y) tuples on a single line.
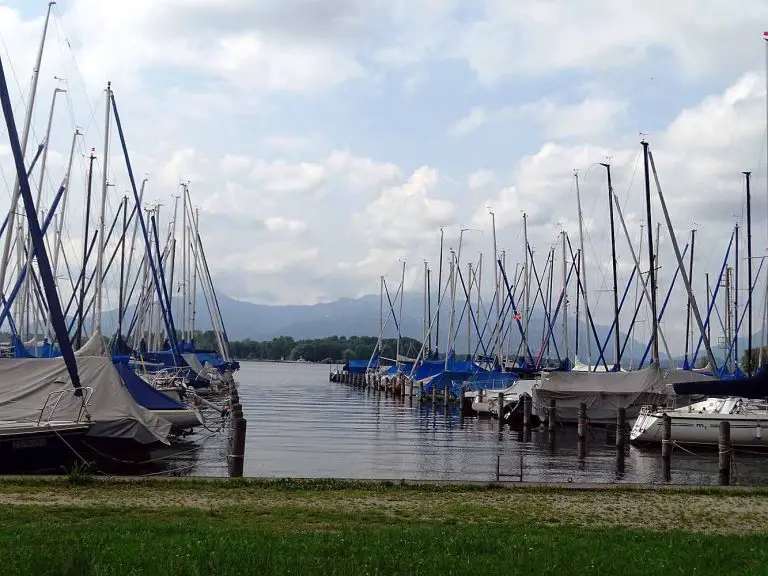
[(193, 296), (24, 139), (83, 274), (688, 308), (680, 265), (400, 319), (566, 346), (425, 315), (735, 325), (469, 307), (121, 300), (43, 162), (100, 253), (429, 312), (496, 293), (439, 291), (617, 336), (452, 283), (583, 270), (184, 266), (651, 262), (526, 285), (478, 279), (749, 271)]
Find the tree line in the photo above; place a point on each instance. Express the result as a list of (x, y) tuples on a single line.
[(333, 349)]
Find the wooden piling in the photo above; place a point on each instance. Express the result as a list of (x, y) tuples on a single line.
[(666, 446), (446, 395), (434, 394), (527, 402), (552, 415), (724, 453), (462, 400), (237, 455), (421, 391), (581, 429), (500, 404), (621, 425)]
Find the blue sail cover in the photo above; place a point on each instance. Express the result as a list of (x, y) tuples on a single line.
[(475, 381), (144, 394), (755, 387), (359, 366)]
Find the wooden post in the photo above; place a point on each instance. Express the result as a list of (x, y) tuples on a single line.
[(434, 394), (527, 401), (462, 400), (421, 391), (621, 419), (724, 453), (581, 429), (666, 446), (552, 415), (237, 456), (498, 468), (500, 404), (447, 394)]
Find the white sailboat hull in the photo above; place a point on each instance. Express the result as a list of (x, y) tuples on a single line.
[(701, 428)]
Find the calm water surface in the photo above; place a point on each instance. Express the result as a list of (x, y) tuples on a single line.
[(302, 425)]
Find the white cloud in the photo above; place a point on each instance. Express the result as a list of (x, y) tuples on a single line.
[(280, 224), (476, 118), (281, 176), (586, 119), (418, 212), (480, 179)]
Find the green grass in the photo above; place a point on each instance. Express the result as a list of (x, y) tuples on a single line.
[(170, 527), (84, 541)]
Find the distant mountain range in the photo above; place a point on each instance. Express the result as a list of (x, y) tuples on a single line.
[(360, 317)]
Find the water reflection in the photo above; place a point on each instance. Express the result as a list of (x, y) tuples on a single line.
[(301, 425)]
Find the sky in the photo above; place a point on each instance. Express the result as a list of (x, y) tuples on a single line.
[(326, 141)]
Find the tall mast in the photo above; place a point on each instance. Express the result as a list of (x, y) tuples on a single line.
[(566, 346), (469, 310), (749, 269), (651, 263), (680, 267), (100, 253), (121, 300), (688, 307), (63, 212), (451, 281), (400, 319), (727, 294), (735, 324), (184, 251), (429, 311), (478, 279), (497, 293), (86, 241), (24, 139), (425, 319), (439, 292), (617, 336), (193, 296), (526, 285), (583, 270)]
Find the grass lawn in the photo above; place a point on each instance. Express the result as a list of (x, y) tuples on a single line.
[(225, 527)]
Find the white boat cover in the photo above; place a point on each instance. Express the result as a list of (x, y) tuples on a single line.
[(193, 362), (605, 392), (27, 383)]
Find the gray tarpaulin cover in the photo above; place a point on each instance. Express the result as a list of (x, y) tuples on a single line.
[(193, 362), (605, 392), (25, 383)]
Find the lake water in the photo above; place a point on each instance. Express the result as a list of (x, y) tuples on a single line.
[(302, 425)]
